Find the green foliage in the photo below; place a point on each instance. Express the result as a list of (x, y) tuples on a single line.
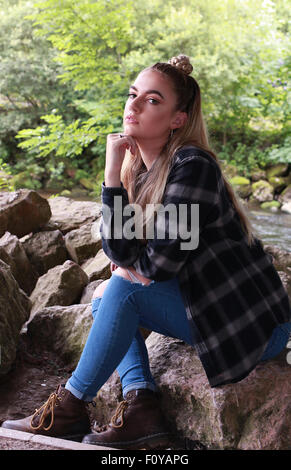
[(235, 48), (281, 153), (29, 85), (67, 65), (5, 180), (90, 36), (57, 138), (244, 157)]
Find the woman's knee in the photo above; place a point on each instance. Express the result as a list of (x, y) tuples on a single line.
[(99, 291)]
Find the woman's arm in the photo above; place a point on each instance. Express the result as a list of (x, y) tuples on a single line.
[(192, 181)]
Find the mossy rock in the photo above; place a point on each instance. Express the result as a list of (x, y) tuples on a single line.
[(280, 169), (88, 183), (239, 180), (273, 206), (243, 191), (261, 184), (66, 193), (258, 174), (278, 183), (230, 171), (285, 195), (262, 191), (241, 186)]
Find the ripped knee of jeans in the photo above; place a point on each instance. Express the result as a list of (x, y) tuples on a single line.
[(95, 305)]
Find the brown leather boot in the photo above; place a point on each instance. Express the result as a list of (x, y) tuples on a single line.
[(138, 423), (62, 415)]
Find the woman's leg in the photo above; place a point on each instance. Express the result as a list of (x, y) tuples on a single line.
[(114, 340), (277, 341), (165, 315), (134, 369)]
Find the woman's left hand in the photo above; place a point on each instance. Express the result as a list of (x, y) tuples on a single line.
[(116, 146)]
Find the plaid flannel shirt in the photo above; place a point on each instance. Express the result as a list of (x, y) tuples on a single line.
[(233, 295)]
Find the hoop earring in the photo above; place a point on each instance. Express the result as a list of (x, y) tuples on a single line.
[(171, 133)]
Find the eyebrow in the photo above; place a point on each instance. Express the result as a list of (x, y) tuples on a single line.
[(149, 91)]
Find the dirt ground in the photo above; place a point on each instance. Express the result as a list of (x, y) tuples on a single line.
[(35, 375), (14, 444)]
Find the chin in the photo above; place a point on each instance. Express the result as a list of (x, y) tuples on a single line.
[(129, 131)]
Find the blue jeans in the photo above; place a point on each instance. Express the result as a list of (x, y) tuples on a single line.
[(115, 342)]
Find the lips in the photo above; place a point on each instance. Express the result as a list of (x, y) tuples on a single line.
[(131, 119)]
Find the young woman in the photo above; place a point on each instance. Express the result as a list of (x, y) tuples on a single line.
[(204, 279)]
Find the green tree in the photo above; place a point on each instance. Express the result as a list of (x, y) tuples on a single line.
[(239, 49), (235, 47), (89, 39), (29, 84)]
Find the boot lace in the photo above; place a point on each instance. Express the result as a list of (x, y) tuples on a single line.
[(119, 415), (46, 409)]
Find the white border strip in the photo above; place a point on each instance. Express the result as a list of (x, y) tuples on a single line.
[(48, 441)]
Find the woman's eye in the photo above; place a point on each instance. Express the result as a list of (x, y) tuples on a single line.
[(153, 101), (150, 100)]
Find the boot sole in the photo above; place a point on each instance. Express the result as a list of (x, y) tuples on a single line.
[(154, 441), (74, 437), (67, 437)]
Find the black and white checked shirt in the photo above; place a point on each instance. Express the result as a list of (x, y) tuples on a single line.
[(233, 295)]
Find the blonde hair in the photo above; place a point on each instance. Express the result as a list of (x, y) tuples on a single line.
[(147, 187)]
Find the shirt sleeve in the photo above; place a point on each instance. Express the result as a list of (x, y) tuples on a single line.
[(190, 195)]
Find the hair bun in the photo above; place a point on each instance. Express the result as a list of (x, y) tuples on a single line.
[(182, 63)]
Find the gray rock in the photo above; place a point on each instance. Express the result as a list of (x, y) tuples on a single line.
[(81, 245), (253, 414), (22, 212), (285, 196), (62, 329), (98, 267), (285, 277), (61, 285), (286, 207), (21, 268), (14, 311), (281, 258), (258, 174), (68, 214), (89, 291), (45, 250)]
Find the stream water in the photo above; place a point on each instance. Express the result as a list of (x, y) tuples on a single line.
[(272, 228)]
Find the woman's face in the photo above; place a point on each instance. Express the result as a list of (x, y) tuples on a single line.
[(150, 111)]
